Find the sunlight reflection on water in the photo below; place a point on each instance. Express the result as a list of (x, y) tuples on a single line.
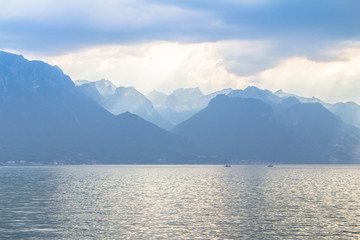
[(188, 202)]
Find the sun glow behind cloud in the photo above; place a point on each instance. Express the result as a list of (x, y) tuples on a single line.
[(212, 66), (331, 81), (297, 46), (160, 65)]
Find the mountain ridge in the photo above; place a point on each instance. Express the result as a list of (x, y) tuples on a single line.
[(45, 118), (247, 128), (118, 100)]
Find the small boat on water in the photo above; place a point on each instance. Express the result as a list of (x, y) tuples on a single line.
[(270, 165), (227, 165)]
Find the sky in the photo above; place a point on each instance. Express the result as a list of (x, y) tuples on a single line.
[(304, 47)]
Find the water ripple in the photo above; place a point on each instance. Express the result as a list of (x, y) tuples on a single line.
[(187, 202)]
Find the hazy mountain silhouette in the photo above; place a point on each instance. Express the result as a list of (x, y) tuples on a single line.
[(323, 133), (249, 129), (182, 103), (349, 112), (157, 98), (45, 118), (254, 92), (120, 100)]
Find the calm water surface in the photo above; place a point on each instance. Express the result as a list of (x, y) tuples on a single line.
[(173, 202)]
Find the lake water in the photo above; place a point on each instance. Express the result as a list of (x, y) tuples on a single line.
[(180, 202)]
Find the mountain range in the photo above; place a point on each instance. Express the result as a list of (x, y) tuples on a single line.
[(45, 118), (118, 100), (250, 129), (167, 111), (182, 103), (349, 112)]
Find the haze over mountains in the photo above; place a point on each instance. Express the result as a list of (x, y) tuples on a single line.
[(167, 111), (120, 100), (254, 130), (45, 118), (348, 111)]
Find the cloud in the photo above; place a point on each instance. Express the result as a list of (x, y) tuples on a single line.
[(159, 65), (53, 27), (183, 43), (331, 81), (212, 66)]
